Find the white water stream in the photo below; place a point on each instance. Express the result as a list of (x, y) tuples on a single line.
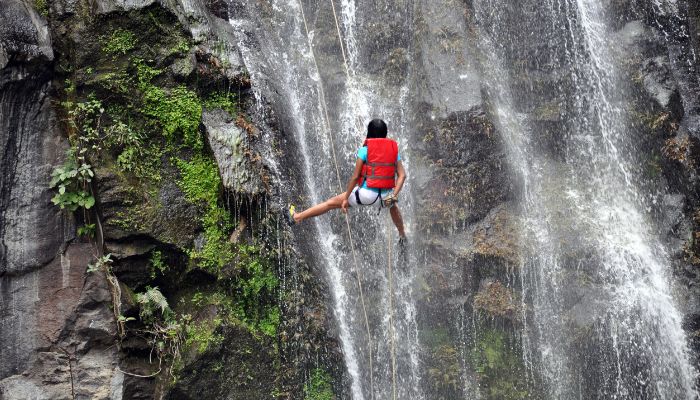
[(600, 318)]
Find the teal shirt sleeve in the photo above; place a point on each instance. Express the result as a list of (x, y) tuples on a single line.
[(362, 154)]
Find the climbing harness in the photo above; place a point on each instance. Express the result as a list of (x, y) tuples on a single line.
[(391, 201)]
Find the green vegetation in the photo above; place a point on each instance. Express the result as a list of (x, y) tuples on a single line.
[(444, 371), (248, 298), (182, 47), (319, 386), (202, 335), (161, 326), (42, 7), (498, 367), (103, 263), (226, 101), (156, 265), (442, 362), (72, 183), (131, 120), (201, 183), (120, 41), (255, 291), (87, 230), (177, 111)]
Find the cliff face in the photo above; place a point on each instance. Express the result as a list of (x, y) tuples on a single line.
[(181, 282), (42, 278), (177, 272)]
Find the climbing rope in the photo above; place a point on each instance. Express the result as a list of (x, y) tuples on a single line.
[(340, 184), (391, 311), (347, 219), (389, 256)]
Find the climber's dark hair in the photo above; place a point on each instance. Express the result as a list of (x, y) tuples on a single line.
[(376, 129)]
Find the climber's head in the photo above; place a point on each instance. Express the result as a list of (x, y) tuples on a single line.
[(376, 129)]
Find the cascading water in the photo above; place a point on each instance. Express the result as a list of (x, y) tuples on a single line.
[(280, 47), (599, 318), (603, 322)]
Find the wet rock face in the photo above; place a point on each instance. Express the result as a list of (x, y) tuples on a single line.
[(31, 232), (24, 35), (248, 366), (29, 142), (58, 330), (229, 142)]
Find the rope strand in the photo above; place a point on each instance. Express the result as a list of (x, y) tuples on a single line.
[(391, 312), (340, 184)]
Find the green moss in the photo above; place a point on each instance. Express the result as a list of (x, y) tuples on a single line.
[(177, 111), (255, 292), (121, 41), (42, 7), (226, 101), (181, 47), (319, 386), (203, 334), (499, 367), (199, 180), (201, 183)]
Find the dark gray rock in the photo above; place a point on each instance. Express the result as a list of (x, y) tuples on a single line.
[(24, 34), (59, 333), (659, 82), (32, 229), (230, 146)]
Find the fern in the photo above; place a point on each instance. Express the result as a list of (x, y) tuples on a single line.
[(151, 301)]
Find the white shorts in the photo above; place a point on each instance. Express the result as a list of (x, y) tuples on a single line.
[(367, 197)]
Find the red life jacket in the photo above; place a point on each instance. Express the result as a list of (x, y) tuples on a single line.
[(380, 168)]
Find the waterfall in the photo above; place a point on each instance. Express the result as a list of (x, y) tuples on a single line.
[(598, 314), (296, 66), (603, 323)]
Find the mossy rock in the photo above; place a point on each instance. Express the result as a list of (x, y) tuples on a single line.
[(238, 367), (497, 237), (498, 301)]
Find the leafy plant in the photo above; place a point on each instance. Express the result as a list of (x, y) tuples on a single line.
[(157, 265), (85, 119), (150, 302), (87, 230), (121, 41), (101, 264), (72, 183), (124, 319)]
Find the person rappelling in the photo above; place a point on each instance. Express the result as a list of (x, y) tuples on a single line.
[(376, 181)]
